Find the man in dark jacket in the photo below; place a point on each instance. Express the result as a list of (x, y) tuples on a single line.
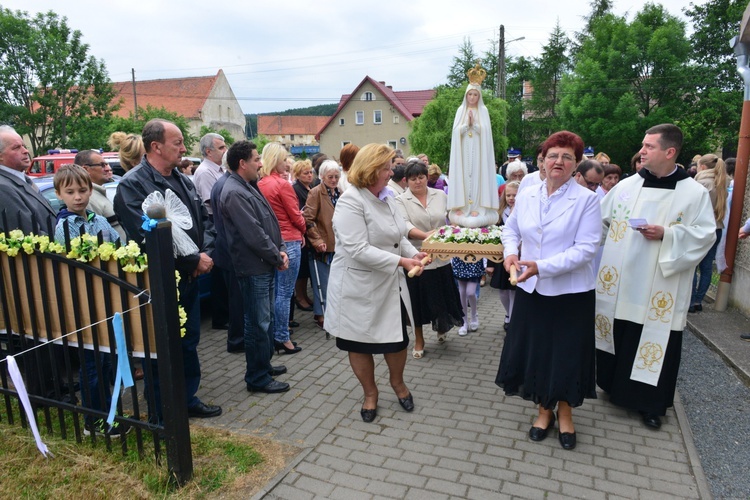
[(156, 172), (256, 249), (25, 208), (223, 262)]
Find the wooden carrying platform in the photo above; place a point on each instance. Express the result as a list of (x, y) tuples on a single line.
[(468, 252)]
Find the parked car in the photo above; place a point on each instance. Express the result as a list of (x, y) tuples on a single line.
[(55, 158)]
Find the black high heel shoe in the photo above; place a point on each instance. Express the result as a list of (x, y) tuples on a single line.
[(279, 346)]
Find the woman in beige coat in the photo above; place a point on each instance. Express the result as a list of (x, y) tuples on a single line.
[(318, 214), (434, 295), (367, 293)]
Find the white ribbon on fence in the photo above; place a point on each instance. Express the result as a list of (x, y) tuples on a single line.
[(15, 376), (122, 374)]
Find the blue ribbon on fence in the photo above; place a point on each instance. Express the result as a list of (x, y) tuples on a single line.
[(148, 223), (123, 377)]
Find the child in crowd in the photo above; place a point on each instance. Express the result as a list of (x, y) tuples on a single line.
[(501, 277), (468, 275), (73, 186)]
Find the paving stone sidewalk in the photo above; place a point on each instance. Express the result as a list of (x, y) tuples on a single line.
[(465, 439)]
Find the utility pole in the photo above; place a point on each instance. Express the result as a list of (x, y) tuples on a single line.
[(135, 99), (501, 64)]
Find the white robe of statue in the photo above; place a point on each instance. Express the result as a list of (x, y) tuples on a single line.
[(472, 195)]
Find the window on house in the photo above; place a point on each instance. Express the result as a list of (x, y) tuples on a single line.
[(393, 144), (395, 119), (377, 117), (367, 96), (360, 117), (344, 143), (341, 122), (291, 137)]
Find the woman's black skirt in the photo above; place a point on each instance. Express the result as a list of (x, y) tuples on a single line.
[(549, 351)]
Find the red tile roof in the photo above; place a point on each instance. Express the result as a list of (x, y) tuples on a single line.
[(409, 103), (184, 96), (284, 125)]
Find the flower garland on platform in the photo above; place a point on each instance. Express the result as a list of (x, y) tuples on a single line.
[(490, 235), (84, 248)]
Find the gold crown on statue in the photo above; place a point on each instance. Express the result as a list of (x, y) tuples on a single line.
[(476, 75)]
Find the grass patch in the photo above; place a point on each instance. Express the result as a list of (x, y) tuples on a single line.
[(225, 464)]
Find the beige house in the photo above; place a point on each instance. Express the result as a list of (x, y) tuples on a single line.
[(291, 130), (203, 100), (373, 112)]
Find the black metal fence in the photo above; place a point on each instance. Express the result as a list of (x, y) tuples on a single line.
[(56, 321)]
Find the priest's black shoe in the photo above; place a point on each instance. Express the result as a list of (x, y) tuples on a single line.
[(278, 370), (538, 434), (407, 403), (567, 440), (651, 420), (368, 415), (202, 410), (273, 387)]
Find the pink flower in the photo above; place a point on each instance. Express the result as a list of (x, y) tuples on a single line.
[(485, 230), (456, 230)]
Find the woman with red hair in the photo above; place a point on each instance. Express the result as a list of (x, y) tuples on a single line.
[(551, 238)]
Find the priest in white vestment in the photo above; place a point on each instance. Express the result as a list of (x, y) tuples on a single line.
[(657, 226)]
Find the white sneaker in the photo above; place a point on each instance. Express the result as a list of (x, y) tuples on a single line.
[(474, 325), (463, 332)]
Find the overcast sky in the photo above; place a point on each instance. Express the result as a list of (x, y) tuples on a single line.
[(292, 54)]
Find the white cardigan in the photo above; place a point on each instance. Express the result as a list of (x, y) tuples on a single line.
[(366, 284), (563, 242)]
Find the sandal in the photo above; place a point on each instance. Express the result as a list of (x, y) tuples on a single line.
[(441, 337), (417, 354)]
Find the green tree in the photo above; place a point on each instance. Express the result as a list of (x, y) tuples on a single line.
[(519, 130), (131, 125), (261, 140), (228, 139), (628, 77), (463, 62), (714, 110), (546, 80), (50, 88), (431, 132)]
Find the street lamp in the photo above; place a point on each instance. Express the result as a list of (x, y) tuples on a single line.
[(501, 62)]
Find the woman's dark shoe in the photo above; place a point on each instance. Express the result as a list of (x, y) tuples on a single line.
[(567, 440), (538, 434), (694, 308), (368, 415), (318, 320), (293, 324), (279, 346), (407, 403), (301, 307)]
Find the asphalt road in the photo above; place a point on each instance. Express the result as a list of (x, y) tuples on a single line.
[(718, 406)]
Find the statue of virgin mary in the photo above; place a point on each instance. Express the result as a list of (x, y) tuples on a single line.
[(472, 196)]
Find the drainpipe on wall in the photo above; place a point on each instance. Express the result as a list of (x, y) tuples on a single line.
[(741, 46)]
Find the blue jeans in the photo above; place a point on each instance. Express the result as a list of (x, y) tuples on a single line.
[(319, 271), (258, 302), (284, 290), (705, 267)]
